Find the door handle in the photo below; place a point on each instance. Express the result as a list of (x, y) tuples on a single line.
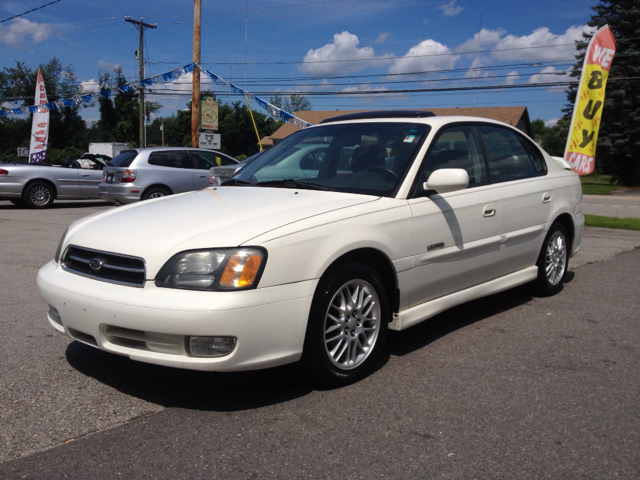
[(489, 210), (546, 197), (204, 176), (83, 175)]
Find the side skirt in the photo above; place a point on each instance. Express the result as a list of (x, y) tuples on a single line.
[(411, 316)]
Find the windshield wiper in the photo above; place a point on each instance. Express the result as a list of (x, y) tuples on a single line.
[(291, 183), (235, 181)]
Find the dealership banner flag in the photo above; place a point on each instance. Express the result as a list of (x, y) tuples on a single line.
[(580, 151), (40, 124)]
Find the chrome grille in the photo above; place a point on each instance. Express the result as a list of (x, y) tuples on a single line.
[(105, 266)]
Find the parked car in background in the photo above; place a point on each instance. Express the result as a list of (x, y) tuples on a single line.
[(218, 175), (405, 215), (144, 173), (37, 185)]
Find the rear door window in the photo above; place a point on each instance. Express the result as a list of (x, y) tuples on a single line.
[(171, 159), (507, 157)]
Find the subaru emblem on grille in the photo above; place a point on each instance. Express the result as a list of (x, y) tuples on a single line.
[(96, 263)]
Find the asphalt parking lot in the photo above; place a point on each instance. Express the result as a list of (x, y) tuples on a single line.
[(510, 386)]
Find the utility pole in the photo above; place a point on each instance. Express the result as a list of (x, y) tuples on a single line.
[(140, 25), (195, 92)]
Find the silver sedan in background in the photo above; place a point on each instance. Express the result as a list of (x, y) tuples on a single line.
[(38, 185), (143, 173)]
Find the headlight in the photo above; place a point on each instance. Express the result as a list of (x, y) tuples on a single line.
[(214, 269), (56, 257)]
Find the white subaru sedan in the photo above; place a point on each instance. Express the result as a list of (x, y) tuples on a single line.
[(405, 215)]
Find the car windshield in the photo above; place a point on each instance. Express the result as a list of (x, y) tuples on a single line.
[(368, 158), (124, 159)]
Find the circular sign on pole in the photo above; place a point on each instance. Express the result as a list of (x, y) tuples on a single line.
[(208, 114)]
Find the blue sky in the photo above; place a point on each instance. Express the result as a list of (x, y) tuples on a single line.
[(325, 49)]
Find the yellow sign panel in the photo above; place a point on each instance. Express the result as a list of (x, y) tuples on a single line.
[(208, 114), (587, 113)]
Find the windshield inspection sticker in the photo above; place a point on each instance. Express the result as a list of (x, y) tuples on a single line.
[(409, 138)]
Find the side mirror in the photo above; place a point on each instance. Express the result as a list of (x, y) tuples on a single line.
[(447, 180)]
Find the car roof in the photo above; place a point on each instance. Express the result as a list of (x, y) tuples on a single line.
[(433, 121)]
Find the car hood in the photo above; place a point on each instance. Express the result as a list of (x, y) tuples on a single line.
[(222, 217)]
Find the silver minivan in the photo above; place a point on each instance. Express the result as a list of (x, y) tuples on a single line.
[(143, 173)]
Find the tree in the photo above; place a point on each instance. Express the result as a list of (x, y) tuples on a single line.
[(552, 139), (119, 119), (619, 136), (292, 103)]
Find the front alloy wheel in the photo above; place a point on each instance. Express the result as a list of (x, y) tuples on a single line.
[(347, 325), (352, 323)]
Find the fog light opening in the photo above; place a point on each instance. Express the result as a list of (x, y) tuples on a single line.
[(211, 346), (54, 315)]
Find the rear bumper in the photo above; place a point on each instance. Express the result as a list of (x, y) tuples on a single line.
[(120, 192), (11, 187)]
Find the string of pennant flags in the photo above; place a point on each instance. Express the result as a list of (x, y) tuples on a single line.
[(89, 98)]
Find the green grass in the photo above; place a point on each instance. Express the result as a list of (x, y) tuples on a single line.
[(595, 184), (612, 222)]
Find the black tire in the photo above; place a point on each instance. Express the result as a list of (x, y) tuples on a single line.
[(553, 261), (155, 192), (345, 336), (38, 195)]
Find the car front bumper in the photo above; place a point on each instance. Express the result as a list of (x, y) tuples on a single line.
[(150, 324), (120, 192)]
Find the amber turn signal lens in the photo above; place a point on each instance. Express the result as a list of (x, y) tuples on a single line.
[(240, 271)]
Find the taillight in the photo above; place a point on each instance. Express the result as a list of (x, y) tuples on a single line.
[(129, 176), (3, 172), (104, 176)]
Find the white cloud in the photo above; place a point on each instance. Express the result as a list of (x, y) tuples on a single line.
[(481, 39), (364, 88), (512, 78), (427, 55), (474, 70), (108, 66), (326, 85), (552, 47), (450, 9), (382, 38), (18, 31), (552, 122), (90, 86), (342, 55), (548, 75)]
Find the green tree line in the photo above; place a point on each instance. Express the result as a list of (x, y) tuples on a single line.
[(69, 134)]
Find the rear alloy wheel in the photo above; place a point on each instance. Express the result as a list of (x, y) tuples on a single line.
[(155, 193), (347, 326), (553, 261), (38, 195)]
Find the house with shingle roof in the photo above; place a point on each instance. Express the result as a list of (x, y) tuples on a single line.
[(515, 116)]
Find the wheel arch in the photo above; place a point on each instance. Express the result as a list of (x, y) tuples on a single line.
[(379, 262), (41, 180), (156, 185), (566, 221)]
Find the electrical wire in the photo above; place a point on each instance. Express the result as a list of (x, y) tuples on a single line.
[(32, 10)]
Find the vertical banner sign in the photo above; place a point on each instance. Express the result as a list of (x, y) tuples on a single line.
[(40, 124), (585, 122)]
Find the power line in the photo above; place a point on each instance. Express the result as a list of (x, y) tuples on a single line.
[(32, 10)]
